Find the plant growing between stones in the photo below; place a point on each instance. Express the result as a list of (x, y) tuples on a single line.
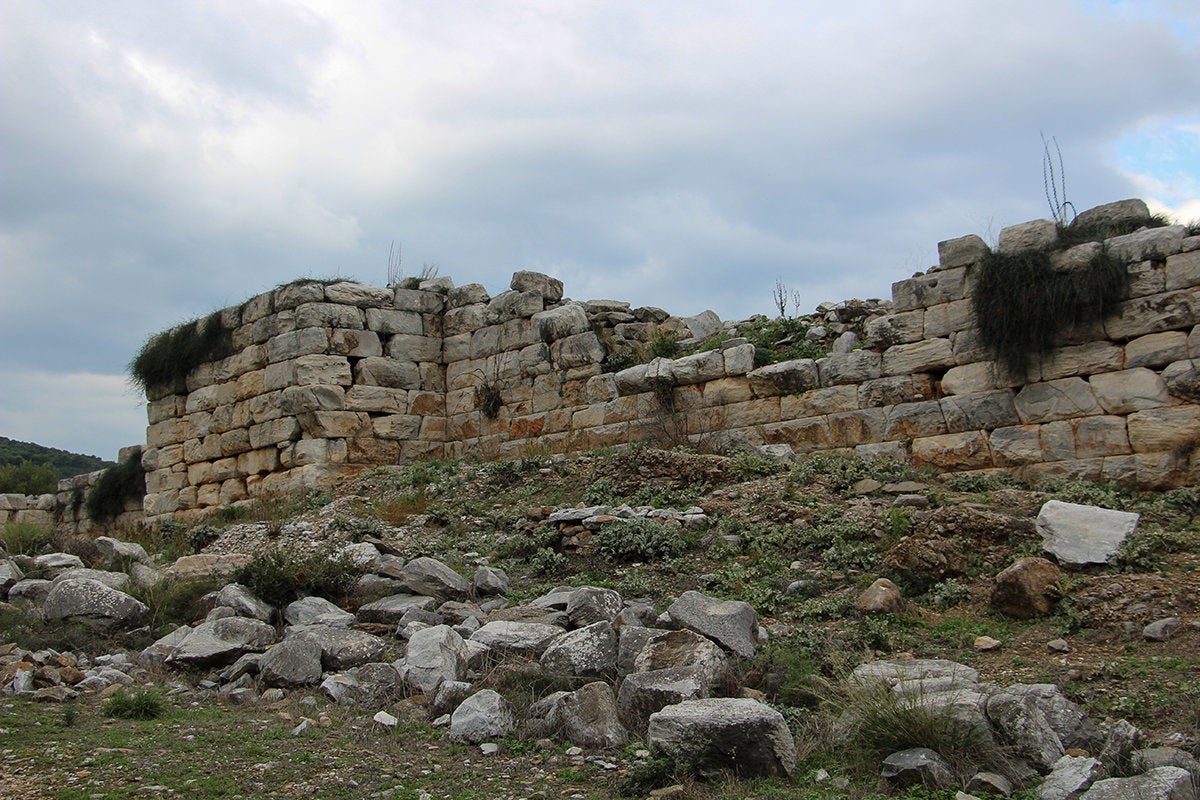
[(166, 358), (140, 704), (124, 482)]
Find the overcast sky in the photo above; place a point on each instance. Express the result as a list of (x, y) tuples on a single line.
[(162, 159)]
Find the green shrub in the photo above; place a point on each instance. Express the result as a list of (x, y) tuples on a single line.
[(617, 361), (662, 345), (140, 704), (748, 465), (28, 478), (166, 358), (637, 540), (1105, 495), (841, 472), (781, 339), (173, 601), (116, 486), (1023, 306), (283, 575), (974, 482), (24, 538)]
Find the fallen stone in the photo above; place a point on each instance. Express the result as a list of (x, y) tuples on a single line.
[(1070, 777), (244, 602), (730, 623), (316, 611), (591, 650), (293, 662), (92, 600), (482, 716), (1163, 783), (529, 639), (881, 597), (736, 734), (342, 648), (1023, 590), (918, 766), (1078, 535), (434, 655), (1160, 630), (428, 576)]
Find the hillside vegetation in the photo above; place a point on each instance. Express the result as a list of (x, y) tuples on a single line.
[(28, 468)]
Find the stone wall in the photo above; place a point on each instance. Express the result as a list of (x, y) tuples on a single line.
[(327, 379), (65, 510)]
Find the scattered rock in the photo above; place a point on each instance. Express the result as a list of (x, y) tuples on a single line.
[(1160, 630), (744, 736), (730, 623), (918, 766), (1024, 589), (1078, 535), (482, 716)]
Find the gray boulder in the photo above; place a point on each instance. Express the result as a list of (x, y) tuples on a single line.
[(737, 734), (482, 716), (586, 651), (1079, 535), (449, 695), (730, 623), (316, 611), (918, 766), (244, 602), (1162, 783), (588, 717), (428, 576), (113, 580), (589, 604), (527, 639), (113, 551), (684, 648), (391, 609), (434, 655), (1041, 724), (10, 574), (1023, 590), (293, 662), (51, 564), (645, 693), (82, 598), (489, 581), (222, 641), (1155, 757), (341, 648), (1070, 777), (30, 590)]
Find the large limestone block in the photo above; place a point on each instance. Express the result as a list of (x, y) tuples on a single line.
[(739, 734), (392, 321), (853, 367), (1032, 235), (588, 717), (1166, 428), (88, 599), (968, 450), (298, 399), (335, 424), (298, 293), (1117, 212), (1156, 349), (317, 611), (356, 343), (1059, 399), (513, 305), (1182, 379), (551, 289), (644, 693), (730, 623), (328, 315), (851, 428), (466, 319), (1151, 243), (390, 609), (528, 639), (322, 370), (739, 359), (348, 293), (428, 576), (434, 655), (962, 251), (1183, 270), (910, 420), (376, 399), (947, 318), (388, 372), (699, 367), (943, 286), (979, 411), (890, 329), (414, 347), (342, 648), (466, 295), (419, 300), (968, 378), (590, 650), (1101, 436), (1160, 783), (1025, 589), (1084, 359), (816, 402), (244, 603), (482, 716), (1079, 535), (292, 663), (1130, 390), (579, 350), (1153, 314), (785, 377)]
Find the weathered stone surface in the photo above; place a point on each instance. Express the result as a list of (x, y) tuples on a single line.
[(854, 367), (961, 251), (881, 597), (923, 356), (1040, 723), (434, 655), (918, 766), (428, 576), (1150, 243), (342, 648), (526, 281), (349, 293), (529, 639), (643, 693), (244, 602), (1082, 359), (1079, 535), (291, 663), (1162, 783), (1182, 379), (1158, 429), (967, 450), (588, 717), (482, 716), (1156, 349), (314, 611), (10, 574), (1058, 399), (204, 565), (730, 623), (1070, 777), (979, 411), (561, 322), (222, 641), (591, 650), (391, 609), (1117, 212), (1130, 390), (741, 735), (1022, 590), (1153, 314), (588, 604), (785, 377), (668, 650), (1030, 235), (113, 551), (92, 600), (54, 564), (943, 286)]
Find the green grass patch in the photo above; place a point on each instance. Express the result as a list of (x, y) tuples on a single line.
[(138, 704), (166, 359)]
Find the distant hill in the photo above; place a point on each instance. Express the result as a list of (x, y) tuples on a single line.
[(14, 453)]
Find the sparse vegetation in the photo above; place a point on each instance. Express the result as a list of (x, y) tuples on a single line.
[(282, 575), (637, 540), (138, 704), (167, 358), (24, 538), (117, 486)]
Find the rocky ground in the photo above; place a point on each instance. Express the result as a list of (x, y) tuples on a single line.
[(803, 545)]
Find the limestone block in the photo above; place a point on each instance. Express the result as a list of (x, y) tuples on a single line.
[(896, 451), (387, 372), (313, 451), (699, 367), (359, 344), (391, 321), (752, 412), (284, 429), (1075, 259), (1060, 399), (1015, 445), (1154, 313), (924, 356), (328, 315), (265, 407), (1100, 436), (785, 377), (853, 367), (1166, 470), (1084, 359), (969, 378), (254, 462), (372, 450), (379, 399), (1119, 469), (804, 435), (561, 322), (426, 403), (312, 370), (202, 399), (208, 495), (634, 331), (456, 348), (1120, 211), (979, 411), (601, 388), (577, 351), (895, 389), (726, 391), (222, 470), (298, 293), (162, 480), (851, 428), (466, 295), (969, 347), (899, 328), (633, 379), (161, 503), (534, 360), (171, 406), (162, 457), (739, 359), (943, 286), (258, 307), (1147, 277), (466, 319), (961, 251), (946, 318), (1182, 379), (1031, 235), (1156, 349), (1166, 428), (526, 281), (518, 333), (1078, 535), (1130, 390), (1058, 441), (910, 420), (513, 304), (953, 451), (297, 343), (235, 442), (1183, 270), (425, 302), (348, 293), (1151, 243), (205, 449), (816, 402), (197, 425), (266, 328), (485, 342)]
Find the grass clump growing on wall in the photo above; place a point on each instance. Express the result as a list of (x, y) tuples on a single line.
[(126, 481), (167, 358), (1023, 305)]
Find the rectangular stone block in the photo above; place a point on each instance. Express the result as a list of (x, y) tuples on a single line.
[(1058, 440), (700, 367), (785, 377), (739, 359), (1146, 278), (420, 301), (852, 428), (1101, 436), (283, 429), (235, 442), (1060, 399), (202, 399), (249, 385), (265, 408), (1016, 445), (911, 420), (1083, 359), (1183, 271), (818, 402), (258, 307), (349, 293), (1129, 390), (358, 344), (378, 399), (255, 462), (372, 451), (266, 328), (752, 412), (947, 318), (896, 451), (334, 424), (1157, 429), (804, 435), (287, 346), (328, 315), (298, 399), (853, 367), (465, 319), (173, 405), (897, 389), (899, 328), (206, 449), (970, 378), (299, 293), (929, 355), (427, 403), (197, 425), (1156, 349), (923, 291), (953, 451), (979, 411), (323, 370), (726, 391), (397, 426), (407, 347), (485, 342), (1154, 314)]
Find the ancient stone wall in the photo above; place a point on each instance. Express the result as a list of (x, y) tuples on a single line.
[(327, 379)]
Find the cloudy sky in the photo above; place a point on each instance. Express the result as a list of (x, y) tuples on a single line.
[(161, 159)]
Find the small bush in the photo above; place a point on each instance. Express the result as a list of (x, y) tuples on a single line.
[(662, 345), (1087, 493), (617, 361), (748, 465), (141, 704), (283, 575), (781, 339), (975, 482), (547, 561), (173, 601), (840, 472), (637, 540), (118, 485), (166, 358), (24, 538), (28, 478)]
